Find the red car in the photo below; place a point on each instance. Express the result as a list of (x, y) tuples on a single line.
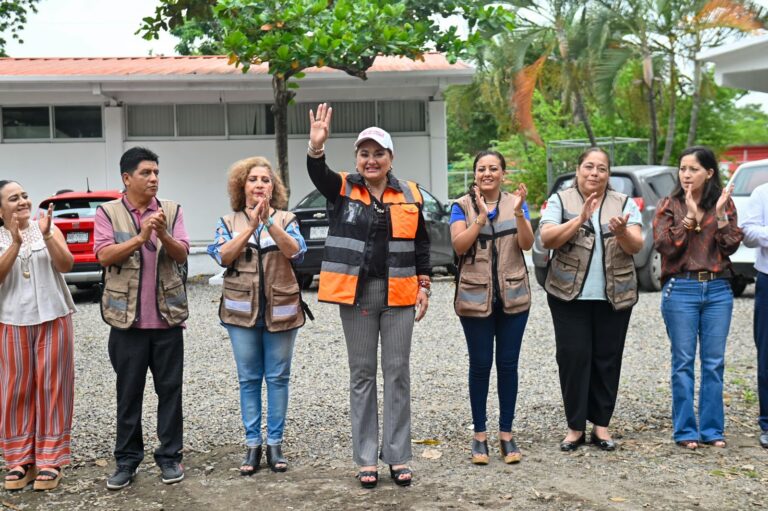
[(73, 213)]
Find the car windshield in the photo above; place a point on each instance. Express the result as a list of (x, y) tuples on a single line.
[(621, 184), (313, 200), (748, 179), (75, 208)]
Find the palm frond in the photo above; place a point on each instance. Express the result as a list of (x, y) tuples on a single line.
[(521, 101)]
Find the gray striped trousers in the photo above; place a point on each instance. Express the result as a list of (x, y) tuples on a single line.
[(363, 324)]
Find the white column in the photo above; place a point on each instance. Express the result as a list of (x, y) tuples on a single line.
[(114, 136), (438, 150)]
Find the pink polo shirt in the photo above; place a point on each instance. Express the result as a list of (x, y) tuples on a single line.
[(148, 315)]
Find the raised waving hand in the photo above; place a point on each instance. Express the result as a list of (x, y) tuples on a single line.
[(320, 125)]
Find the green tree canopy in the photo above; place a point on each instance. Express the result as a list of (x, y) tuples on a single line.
[(13, 17), (347, 35)]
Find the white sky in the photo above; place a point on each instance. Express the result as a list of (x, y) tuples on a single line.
[(105, 28)]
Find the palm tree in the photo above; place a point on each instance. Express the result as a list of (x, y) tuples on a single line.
[(565, 32)]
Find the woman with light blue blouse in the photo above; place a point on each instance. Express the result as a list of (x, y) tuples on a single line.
[(261, 305), (591, 287)]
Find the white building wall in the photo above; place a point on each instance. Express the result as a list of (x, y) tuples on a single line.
[(44, 168)]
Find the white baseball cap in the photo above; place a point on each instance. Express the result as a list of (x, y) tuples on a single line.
[(378, 135)]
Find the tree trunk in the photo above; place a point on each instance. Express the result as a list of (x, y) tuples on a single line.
[(280, 112), (672, 121), (654, 127), (695, 104), (581, 111)]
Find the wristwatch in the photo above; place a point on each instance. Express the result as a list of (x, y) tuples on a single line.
[(426, 290)]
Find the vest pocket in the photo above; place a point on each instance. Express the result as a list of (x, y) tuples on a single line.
[(515, 291), (174, 301), (238, 300), (473, 297), (405, 220), (563, 271), (623, 286), (114, 305), (284, 305)]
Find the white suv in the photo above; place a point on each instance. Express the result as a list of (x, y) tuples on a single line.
[(747, 177)]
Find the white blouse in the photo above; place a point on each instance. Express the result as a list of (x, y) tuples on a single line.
[(33, 292)]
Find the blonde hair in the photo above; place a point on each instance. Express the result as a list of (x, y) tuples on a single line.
[(238, 174)]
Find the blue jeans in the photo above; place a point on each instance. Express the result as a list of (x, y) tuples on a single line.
[(260, 355), (761, 341), (697, 313), (480, 332)]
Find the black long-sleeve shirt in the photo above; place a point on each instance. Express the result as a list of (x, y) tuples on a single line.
[(328, 183)]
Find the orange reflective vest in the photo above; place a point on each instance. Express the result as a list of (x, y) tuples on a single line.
[(350, 237)]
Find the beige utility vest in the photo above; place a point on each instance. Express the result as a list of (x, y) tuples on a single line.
[(569, 265), (494, 267), (122, 282), (260, 272)]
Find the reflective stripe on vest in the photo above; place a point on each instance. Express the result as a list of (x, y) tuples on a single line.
[(345, 251)]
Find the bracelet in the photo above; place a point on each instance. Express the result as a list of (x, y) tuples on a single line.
[(519, 214), (425, 284), (478, 222), (269, 223), (48, 236), (426, 290), (723, 218), (313, 150)]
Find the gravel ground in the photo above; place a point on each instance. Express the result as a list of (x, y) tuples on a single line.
[(648, 471)]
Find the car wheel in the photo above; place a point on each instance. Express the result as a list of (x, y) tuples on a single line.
[(305, 280), (541, 275), (451, 269), (738, 285), (650, 274)]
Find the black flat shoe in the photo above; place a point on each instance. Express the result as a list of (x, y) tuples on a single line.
[(605, 445), (275, 458), (252, 459), (479, 452), (368, 473), (567, 446), (405, 471)]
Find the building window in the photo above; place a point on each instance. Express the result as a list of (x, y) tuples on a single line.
[(200, 120), (77, 122), (402, 116), (21, 123), (353, 116), (250, 119), (150, 121), (298, 118)]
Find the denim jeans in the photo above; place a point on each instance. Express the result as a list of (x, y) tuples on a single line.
[(260, 355), (697, 313), (761, 341), (508, 330)]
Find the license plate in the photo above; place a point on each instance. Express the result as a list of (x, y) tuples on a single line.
[(319, 232), (77, 237)]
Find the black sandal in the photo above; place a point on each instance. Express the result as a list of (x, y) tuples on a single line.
[(368, 473), (395, 474), (22, 478), (480, 452), (275, 458), (252, 459), (509, 451)]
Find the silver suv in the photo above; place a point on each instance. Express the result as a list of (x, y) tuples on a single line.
[(646, 184)]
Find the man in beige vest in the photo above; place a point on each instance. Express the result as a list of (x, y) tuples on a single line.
[(141, 242)]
